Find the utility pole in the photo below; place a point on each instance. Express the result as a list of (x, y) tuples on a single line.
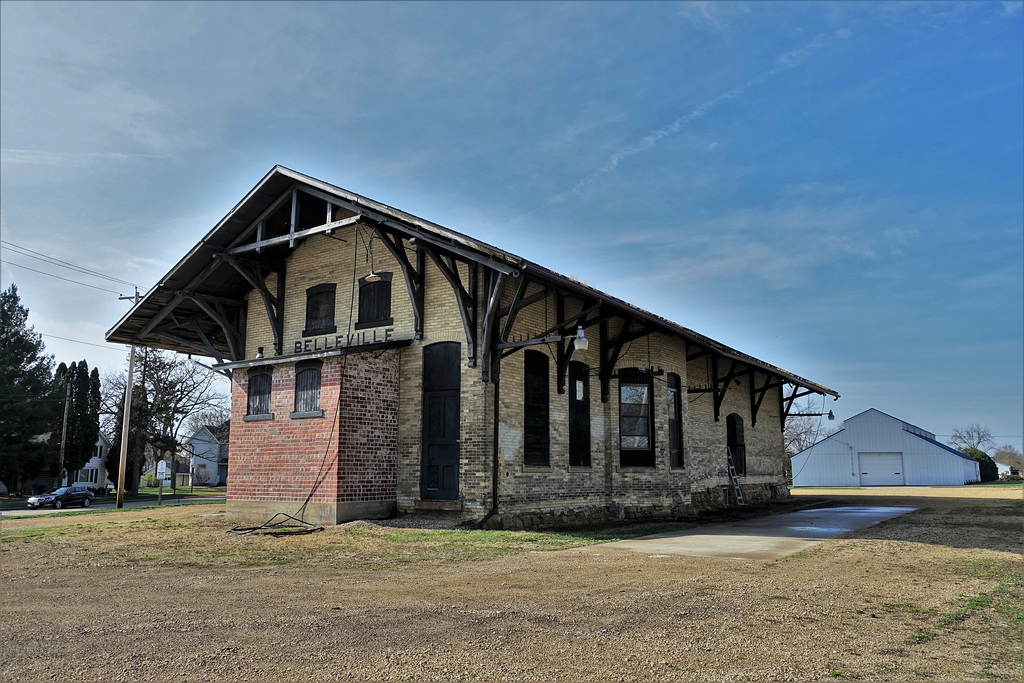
[(126, 417), (64, 431)]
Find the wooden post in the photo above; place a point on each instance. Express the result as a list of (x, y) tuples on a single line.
[(64, 431), (126, 418)]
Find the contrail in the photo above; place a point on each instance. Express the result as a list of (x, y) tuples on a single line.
[(784, 63)]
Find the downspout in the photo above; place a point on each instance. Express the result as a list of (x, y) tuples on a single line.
[(494, 474)]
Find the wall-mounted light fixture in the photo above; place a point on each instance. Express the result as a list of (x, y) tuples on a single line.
[(830, 415), (579, 340), (259, 352)]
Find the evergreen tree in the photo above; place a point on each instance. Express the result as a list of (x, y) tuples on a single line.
[(83, 417), (30, 406), (989, 471)]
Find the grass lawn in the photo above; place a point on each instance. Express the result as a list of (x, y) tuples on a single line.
[(931, 595)]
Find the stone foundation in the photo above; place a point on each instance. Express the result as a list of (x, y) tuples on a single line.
[(703, 502)]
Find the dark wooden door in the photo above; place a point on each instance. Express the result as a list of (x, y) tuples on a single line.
[(442, 386)]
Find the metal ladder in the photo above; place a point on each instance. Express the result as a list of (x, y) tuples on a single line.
[(734, 484)]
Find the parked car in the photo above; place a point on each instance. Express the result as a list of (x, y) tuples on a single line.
[(62, 497)]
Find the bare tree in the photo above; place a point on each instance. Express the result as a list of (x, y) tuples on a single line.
[(176, 388), (972, 436), (1008, 455), (803, 431), (213, 417)]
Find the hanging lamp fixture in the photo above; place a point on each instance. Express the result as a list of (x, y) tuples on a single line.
[(373, 276)]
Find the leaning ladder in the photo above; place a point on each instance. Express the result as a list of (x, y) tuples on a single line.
[(734, 484)]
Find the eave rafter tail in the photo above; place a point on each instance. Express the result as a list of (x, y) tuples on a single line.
[(254, 275)]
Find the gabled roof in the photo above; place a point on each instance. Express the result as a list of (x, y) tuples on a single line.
[(197, 293), (893, 417), (896, 419)]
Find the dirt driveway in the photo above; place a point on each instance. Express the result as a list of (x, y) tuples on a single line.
[(166, 595)]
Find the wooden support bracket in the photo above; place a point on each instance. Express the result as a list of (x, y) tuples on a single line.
[(465, 296), (413, 275)]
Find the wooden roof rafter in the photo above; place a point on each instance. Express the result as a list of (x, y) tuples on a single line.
[(256, 277)]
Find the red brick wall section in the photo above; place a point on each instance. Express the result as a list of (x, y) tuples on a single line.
[(368, 448), (283, 459)]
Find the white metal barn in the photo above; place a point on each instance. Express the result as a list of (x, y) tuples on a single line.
[(875, 449)]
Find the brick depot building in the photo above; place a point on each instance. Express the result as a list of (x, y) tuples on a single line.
[(381, 363)]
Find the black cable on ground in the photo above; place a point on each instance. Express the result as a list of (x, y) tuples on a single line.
[(294, 527)]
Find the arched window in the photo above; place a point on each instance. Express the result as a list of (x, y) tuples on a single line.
[(260, 383), (734, 438), (536, 427), (579, 414), (307, 389), (675, 421)]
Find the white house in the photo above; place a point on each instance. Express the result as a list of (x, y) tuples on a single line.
[(875, 449), (95, 471), (208, 453)]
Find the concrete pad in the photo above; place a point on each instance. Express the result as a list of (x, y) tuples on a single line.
[(762, 538)]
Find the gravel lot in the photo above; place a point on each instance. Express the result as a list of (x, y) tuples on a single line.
[(166, 595)]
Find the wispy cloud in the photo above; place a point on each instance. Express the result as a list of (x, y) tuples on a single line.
[(784, 63), (38, 157), (707, 15)]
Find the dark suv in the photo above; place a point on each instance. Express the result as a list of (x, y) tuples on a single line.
[(62, 497)]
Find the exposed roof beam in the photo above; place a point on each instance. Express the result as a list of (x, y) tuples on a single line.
[(291, 237)]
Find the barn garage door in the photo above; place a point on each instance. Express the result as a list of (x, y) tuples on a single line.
[(881, 469)]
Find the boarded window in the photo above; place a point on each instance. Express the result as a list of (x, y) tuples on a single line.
[(734, 436), (307, 386), (260, 381), (675, 421), (536, 432), (636, 438), (375, 302), (579, 414), (320, 310)]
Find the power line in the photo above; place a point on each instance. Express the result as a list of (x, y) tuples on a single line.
[(84, 284), (39, 256), (110, 347)]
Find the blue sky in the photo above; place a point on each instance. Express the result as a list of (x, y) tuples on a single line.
[(835, 188)]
